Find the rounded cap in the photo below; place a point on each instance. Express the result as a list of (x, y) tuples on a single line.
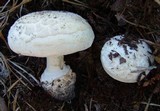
[(124, 62), (48, 33)]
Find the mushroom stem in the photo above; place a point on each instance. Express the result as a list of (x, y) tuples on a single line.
[(58, 79), (55, 62), (55, 68)]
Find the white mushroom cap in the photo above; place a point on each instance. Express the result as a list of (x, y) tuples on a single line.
[(48, 33), (124, 62)]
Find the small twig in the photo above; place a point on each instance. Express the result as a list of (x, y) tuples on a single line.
[(85, 107), (15, 100), (78, 3), (5, 15), (4, 89), (4, 59), (152, 43), (17, 6), (18, 109), (151, 104), (4, 6), (148, 103), (14, 84), (138, 25), (22, 75), (3, 38), (61, 108), (157, 1), (150, 97), (30, 106), (19, 67), (90, 104), (97, 107), (20, 80)]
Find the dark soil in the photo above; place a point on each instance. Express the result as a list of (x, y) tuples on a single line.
[(95, 90)]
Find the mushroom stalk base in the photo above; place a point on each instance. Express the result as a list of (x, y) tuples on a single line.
[(58, 79)]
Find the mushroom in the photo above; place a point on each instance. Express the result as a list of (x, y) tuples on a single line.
[(126, 61), (52, 34)]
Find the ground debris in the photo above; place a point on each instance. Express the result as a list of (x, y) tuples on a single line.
[(95, 90)]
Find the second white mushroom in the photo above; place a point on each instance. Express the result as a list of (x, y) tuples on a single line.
[(125, 61)]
